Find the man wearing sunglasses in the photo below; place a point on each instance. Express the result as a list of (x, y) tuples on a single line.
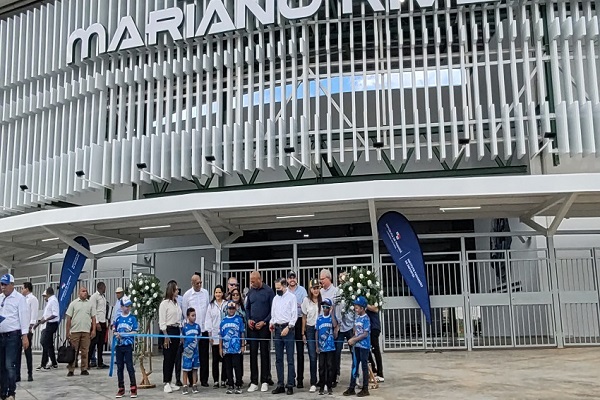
[(14, 326)]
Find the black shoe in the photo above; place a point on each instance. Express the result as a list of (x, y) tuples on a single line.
[(103, 366), (55, 366), (289, 391), (321, 391), (93, 365), (278, 390), (270, 382), (330, 392), (85, 373), (178, 383), (334, 385), (30, 378), (300, 385), (70, 373), (364, 392), (349, 392), (216, 385), (204, 384)]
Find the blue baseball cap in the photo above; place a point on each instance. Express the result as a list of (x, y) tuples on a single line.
[(126, 301), (361, 301), (7, 279), (327, 302)]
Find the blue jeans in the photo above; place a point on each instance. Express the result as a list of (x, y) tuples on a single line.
[(10, 350), (286, 342), (124, 356), (360, 359), (311, 345)]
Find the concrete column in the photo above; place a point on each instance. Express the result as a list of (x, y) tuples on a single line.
[(553, 268)]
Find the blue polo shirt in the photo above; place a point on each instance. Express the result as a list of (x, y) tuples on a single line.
[(258, 304)]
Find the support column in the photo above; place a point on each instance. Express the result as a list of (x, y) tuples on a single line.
[(295, 265), (553, 267), (464, 272)]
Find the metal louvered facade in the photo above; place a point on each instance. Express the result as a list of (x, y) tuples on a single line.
[(480, 82)]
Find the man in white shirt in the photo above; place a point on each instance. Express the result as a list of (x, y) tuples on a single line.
[(14, 326), (198, 298), (117, 308), (328, 290), (51, 318), (33, 304), (99, 303), (284, 313)]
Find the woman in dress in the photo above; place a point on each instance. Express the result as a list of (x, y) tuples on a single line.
[(214, 315)]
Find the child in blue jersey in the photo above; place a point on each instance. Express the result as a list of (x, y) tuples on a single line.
[(362, 347), (325, 334), (190, 359), (232, 345), (126, 323)]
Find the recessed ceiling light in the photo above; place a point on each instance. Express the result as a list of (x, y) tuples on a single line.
[(298, 230), (465, 208), (306, 235), (295, 216), (154, 227)]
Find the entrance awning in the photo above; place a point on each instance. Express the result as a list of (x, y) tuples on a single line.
[(37, 235)]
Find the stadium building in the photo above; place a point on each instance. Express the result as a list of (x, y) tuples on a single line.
[(227, 136)]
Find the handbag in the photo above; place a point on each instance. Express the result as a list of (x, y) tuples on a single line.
[(66, 353)]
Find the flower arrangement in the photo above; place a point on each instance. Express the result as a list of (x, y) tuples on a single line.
[(145, 294), (360, 281)]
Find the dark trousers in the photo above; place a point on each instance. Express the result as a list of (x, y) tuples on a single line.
[(47, 341), (360, 359), (339, 346), (299, 351), (203, 346), (10, 350), (376, 352), (311, 346), (28, 359), (178, 363), (98, 344), (327, 369), (124, 356), (284, 343), (170, 354), (216, 360), (265, 356), (233, 363)]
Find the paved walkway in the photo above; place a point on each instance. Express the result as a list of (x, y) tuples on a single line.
[(482, 375)]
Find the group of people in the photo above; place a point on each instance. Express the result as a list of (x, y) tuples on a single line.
[(289, 316)]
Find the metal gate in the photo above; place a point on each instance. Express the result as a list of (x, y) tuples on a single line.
[(578, 286)]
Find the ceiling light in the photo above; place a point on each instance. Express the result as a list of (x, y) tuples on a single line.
[(49, 240), (444, 209), (295, 216), (143, 228), (306, 235), (298, 230)]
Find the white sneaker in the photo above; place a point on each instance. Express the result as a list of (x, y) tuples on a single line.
[(379, 379), (253, 388), (264, 387), (168, 388), (175, 387), (313, 389)]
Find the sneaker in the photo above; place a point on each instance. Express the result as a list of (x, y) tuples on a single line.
[(46, 369), (216, 385), (195, 389), (120, 393), (229, 390), (85, 373), (364, 392), (252, 388), (264, 387), (238, 390), (349, 392), (39, 368), (312, 389), (175, 387), (321, 392), (185, 390), (133, 392), (379, 379), (223, 384), (330, 392), (168, 388), (70, 373), (55, 366)]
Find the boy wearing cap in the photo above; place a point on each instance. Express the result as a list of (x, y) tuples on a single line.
[(325, 333), (231, 345), (190, 357), (123, 326), (362, 346)]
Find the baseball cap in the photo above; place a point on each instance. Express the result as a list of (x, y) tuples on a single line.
[(361, 301), (292, 275), (231, 304), (327, 302), (315, 282), (119, 290), (126, 301), (7, 279)]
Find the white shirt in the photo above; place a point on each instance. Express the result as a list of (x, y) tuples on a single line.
[(331, 293), (284, 309), (198, 301), (311, 310), (15, 312), (169, 314), (99, 302), (214, 316), (34, 305), (117, 310), (51, 309)]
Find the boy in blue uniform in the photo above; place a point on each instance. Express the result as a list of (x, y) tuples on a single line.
[(190, 359), (126, 323), (325, 333), (362, 346), (232, 344)]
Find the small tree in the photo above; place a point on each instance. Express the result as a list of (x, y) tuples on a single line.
[(145, 293)]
